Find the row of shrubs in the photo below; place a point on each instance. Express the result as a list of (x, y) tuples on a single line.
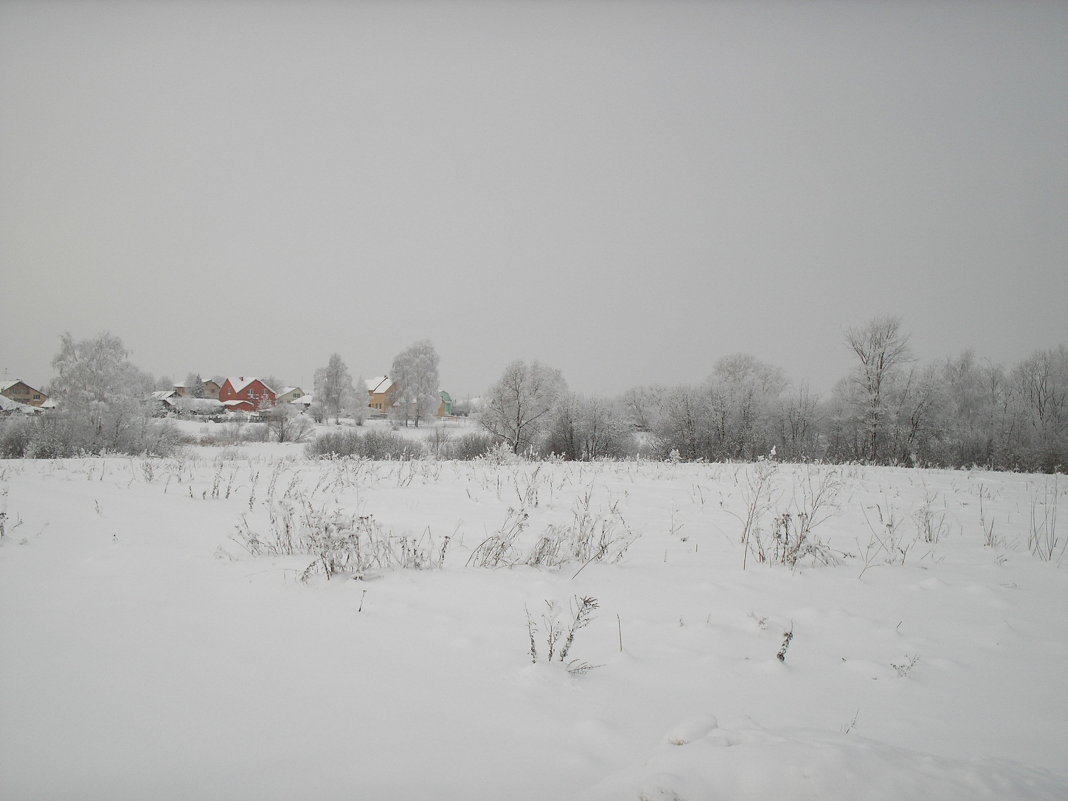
[(57, 436), (54, 436), (383, 445)]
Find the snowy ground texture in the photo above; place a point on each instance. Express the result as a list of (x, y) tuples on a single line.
[(164, 636)]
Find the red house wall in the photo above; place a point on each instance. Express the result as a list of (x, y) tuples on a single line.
[(255, 393)]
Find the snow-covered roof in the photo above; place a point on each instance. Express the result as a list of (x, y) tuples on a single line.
[(163, 394), (8, 405), (303, 400), (380, 383), (198, 404), (231, 403), (7, 383), (243, 381)]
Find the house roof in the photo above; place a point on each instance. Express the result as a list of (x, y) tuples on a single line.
[(202, 381), (198, 404), (8, 405), (242, 382), (379, 384), (163, 394)]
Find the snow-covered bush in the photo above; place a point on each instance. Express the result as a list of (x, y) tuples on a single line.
[(16, 436), (285, 423), (559, 638), (587, 429), (341, 542), (469, 446), (373, 444), (61, 434), (589, 537), (100, 405)]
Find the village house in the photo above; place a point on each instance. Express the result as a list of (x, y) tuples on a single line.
[(21, 392), (382, 393), (243, 394), (445, 408), (211, 389), (289, 394), (164, 401), (303, 403)]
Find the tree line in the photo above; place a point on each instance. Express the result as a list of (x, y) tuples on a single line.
[(888, 409)]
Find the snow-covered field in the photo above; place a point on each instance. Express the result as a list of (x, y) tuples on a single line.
[(159, 641)]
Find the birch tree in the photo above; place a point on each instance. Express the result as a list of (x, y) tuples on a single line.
[(334, 391), (520, 404), (881, 348), (415, 370), (102, 401)]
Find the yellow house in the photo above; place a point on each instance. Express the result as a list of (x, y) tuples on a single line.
[(382, 393)]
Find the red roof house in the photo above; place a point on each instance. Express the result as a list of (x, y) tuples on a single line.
[(246, 395)]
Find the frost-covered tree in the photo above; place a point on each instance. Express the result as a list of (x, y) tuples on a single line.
[(195, 385), (684, 426), (743, 394), (415, 371), (358, 408), (588, 428), (285, 423), (518, 407), (881, 348), (101, 401), (1040, 388), (798, 424), (917, 405), (642, 405), (334, 391)]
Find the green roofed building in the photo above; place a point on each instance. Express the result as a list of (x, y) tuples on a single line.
[(445, 409)]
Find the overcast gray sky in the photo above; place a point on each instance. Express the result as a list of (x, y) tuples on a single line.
[(627, 191)]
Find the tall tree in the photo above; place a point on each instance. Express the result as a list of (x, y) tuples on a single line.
[(743, 394), (1040, 386), (333, 390), (101, 397), (519, 405), (684, 424), (415, 370), (882, 348), (798, 421), (195, 385), (642, 405), (588, 428)]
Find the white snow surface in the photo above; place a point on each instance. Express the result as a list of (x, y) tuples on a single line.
[(145, 653), (8, 405)]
